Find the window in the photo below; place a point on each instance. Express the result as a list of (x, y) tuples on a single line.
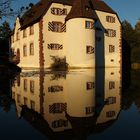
[(90, 85), (89, 49), (110, 19), (110, 100), (24, 33), (111, 48), (31, 29), (55, 46), (32, 86), (59, 123), (55, 88), (17, 36), (59, 11), (24, 50), (89, 110), (89, 25), (32, 105), (64, 11), (57, 107), (110, 114), (18, 98), (18, 80), (111, 85), (31, 49), (56, 27), (25, 101), (25, 84), (18, 56), (111, 33)]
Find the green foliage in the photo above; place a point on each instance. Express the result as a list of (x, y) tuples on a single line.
[(132, 37), (59, 63), (5, 8), (5, 31)]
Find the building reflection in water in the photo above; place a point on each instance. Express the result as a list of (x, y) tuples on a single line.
[(78, 103)]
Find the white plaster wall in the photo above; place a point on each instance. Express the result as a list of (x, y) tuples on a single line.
[(16, 44), (111, 40), (29, 61), (53, 37), (76, 39), (77, 95), (19, 90)]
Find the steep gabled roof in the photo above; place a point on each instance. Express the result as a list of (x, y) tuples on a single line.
[(81, 9), (102, 6), (34, 14)]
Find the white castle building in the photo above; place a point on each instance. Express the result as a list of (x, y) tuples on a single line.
[(86, 33)]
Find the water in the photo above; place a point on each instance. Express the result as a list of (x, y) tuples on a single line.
[(77, 105)]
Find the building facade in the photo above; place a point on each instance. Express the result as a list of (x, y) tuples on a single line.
[(64, 105), (86, 34)]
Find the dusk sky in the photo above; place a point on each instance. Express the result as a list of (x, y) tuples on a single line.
[(126, 9)]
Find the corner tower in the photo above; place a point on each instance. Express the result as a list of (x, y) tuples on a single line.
[(80, 35)]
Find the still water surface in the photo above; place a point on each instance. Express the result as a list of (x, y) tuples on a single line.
[(78, 105)]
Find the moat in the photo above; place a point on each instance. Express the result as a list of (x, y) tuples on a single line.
[(76, 105)]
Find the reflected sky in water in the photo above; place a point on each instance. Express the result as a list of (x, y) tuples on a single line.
[(85, 104)]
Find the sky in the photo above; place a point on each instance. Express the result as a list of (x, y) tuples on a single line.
[(126, 9)]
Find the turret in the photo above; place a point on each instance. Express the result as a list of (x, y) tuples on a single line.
[(80, 35)]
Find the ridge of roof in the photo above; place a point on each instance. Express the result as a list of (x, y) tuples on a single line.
[(34, 14), (102, 6), (81, 9)]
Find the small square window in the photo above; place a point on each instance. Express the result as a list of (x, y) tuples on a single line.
[(110, 114), (89, 25), (111, 48), (111, 85), (89, 49), (31, 30), (90, 85)]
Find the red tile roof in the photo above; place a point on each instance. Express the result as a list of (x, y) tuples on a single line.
[(81, 9), (102, 6), (34, 14)]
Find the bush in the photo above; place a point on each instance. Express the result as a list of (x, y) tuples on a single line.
[(59, 63)]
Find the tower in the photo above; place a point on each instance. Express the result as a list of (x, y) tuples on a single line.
[(80, 35)]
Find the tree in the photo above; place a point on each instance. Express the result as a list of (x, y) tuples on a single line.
[(5, 8), (7, 11), (129, 33), (137, 26), (5, 31)]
